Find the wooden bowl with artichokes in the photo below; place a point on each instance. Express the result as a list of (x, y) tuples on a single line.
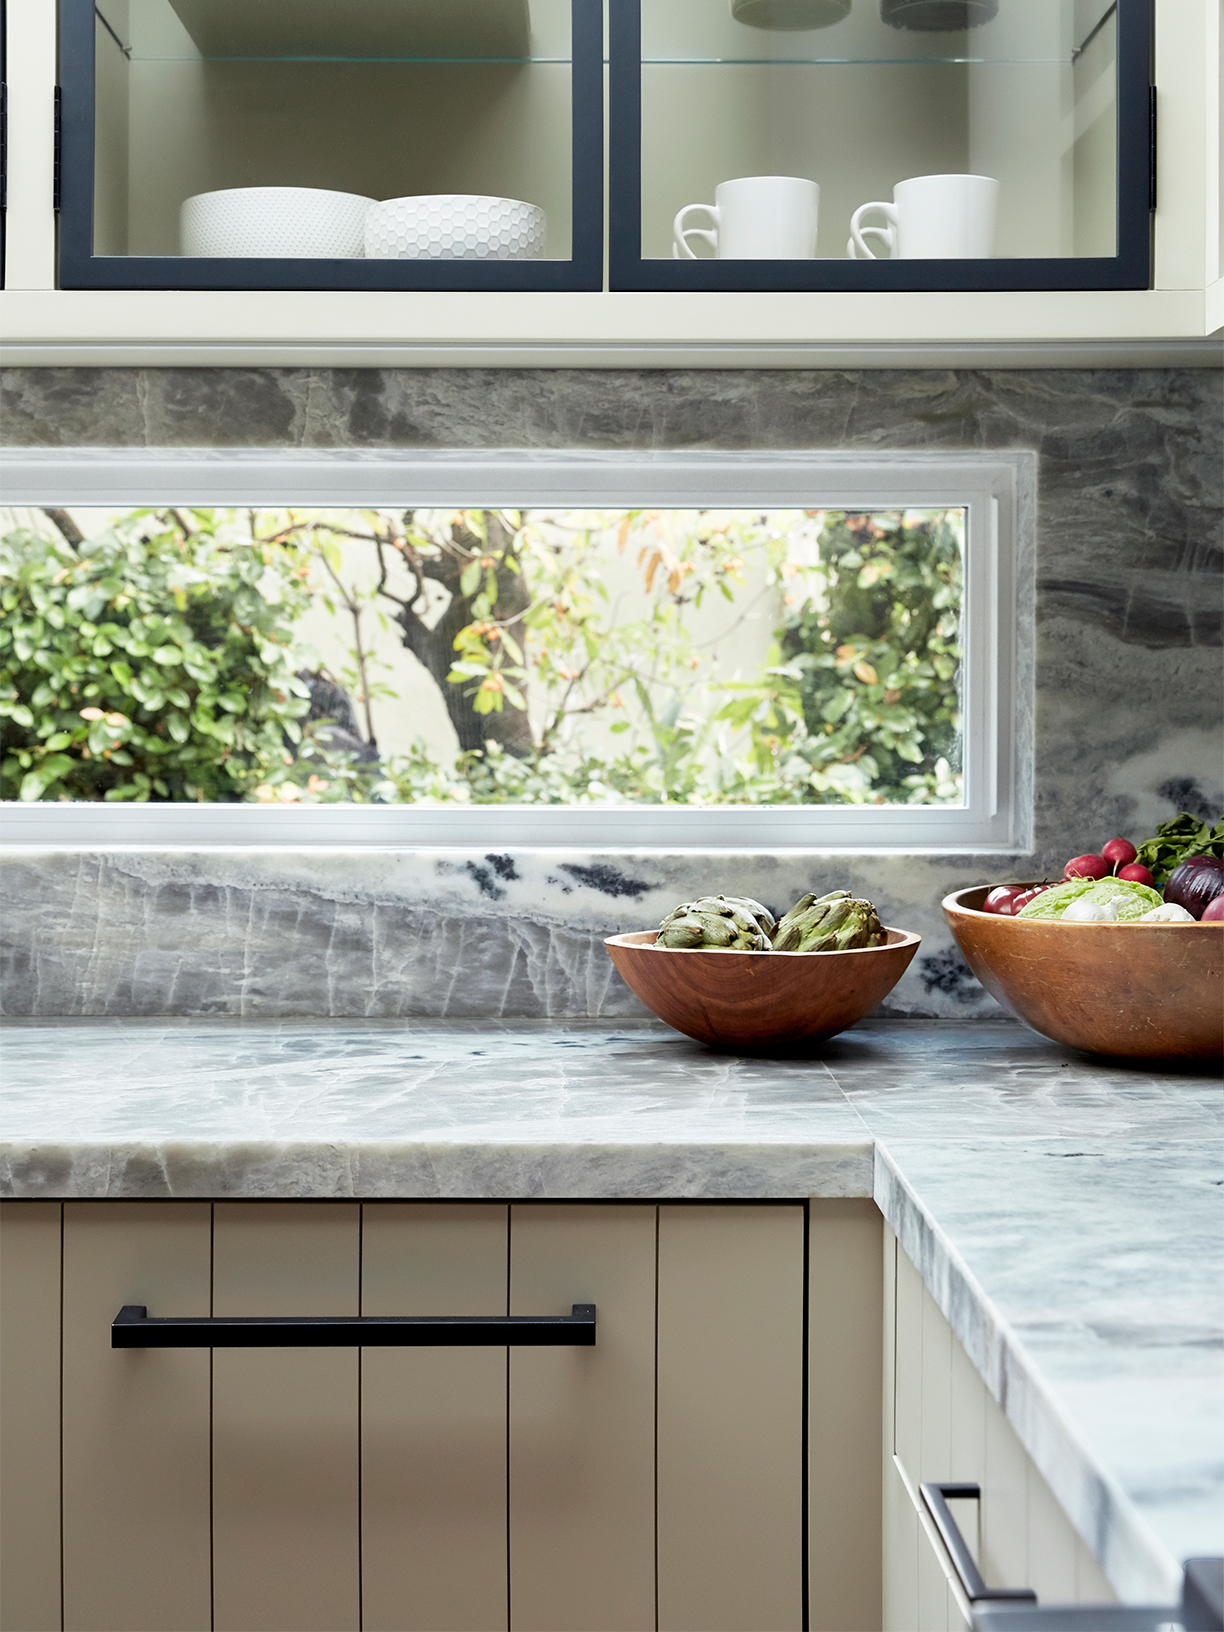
[(723, 970)]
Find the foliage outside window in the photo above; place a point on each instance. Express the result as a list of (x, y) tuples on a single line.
[(696, 657)]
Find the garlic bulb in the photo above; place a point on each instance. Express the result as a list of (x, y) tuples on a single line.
[(1094, 912)]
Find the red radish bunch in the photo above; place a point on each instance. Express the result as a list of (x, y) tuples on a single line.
[(1117, 858)]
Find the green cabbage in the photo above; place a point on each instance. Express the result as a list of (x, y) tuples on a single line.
[(1054, 902)]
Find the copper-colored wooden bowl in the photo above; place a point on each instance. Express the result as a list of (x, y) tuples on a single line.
[(1140, 991), (752, 999)]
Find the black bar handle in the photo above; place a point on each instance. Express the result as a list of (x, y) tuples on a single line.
[(936, 1497), (134, 1328)]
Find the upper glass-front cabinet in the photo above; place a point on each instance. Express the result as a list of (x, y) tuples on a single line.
[(458, 144), (880, 144), (331, 144)]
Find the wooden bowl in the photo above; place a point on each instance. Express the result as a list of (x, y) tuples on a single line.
[(1140, 991), (752, 999)]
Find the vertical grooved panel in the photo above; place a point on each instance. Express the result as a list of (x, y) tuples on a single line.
[(135, 1422), (730, 1418), (1051, 1544), (909, 1365), (286, 1542), (30, 1235), (935, 1449), (845, 1428), (582, 1499), (901, 1541), (433, 1424), (1004, 1503), (968, 1444)]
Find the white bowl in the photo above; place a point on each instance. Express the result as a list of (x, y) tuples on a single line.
[(274, 221), (455, 227)]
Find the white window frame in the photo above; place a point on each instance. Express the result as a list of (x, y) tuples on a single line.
[(997, 489)]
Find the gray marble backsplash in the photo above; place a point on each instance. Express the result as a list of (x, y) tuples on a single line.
[(1128, 672)]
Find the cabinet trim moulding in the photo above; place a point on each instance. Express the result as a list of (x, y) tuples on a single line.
[(122, 328)]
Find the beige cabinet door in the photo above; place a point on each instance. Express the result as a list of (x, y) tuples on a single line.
[(135, 1422), (652, 1480), (286, 1537), (434, 1541), (30, 1245), (730, 1418), (582, 1428)]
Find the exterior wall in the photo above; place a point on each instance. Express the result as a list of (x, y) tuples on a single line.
[(1130, 555)]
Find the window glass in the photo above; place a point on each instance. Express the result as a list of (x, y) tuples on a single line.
[(483, 656)]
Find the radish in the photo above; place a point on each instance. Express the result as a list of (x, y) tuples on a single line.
[(1213, 912), (1087, 867), (1120, 853), (1002, 900), (1137, 873)]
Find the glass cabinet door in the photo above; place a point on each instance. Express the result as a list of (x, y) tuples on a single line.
[(880, 144), (331, 144)]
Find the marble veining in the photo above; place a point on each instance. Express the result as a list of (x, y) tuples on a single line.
[(1064, 1212), (1130, 552)]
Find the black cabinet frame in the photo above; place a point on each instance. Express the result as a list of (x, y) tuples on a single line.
[(1130, 268), (80, 268)]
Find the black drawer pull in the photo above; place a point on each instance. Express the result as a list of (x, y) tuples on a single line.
[(134, 1328), (974, 1588)]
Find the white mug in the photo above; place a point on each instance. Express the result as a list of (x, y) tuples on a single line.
[(935, 218), (755, 218)]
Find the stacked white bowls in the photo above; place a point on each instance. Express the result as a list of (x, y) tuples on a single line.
[(455, 227), (289, 222), (301, 222)]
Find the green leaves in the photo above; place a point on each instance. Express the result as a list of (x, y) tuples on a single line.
[(117, 663)]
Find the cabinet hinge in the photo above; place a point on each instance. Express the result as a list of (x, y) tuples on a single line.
[(59, 150), (1151, 147)]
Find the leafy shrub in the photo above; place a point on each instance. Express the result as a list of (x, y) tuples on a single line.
[(154, 661)]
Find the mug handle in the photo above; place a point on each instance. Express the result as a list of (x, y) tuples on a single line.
[(681, 233), (887, 235)]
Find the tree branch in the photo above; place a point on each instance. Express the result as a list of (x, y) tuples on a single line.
[(65, 525)]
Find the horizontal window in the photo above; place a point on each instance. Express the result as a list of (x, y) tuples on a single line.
[(692, 651)]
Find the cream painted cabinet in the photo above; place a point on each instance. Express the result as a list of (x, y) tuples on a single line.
[(654, 1479), (941, 1424), (162, 102)]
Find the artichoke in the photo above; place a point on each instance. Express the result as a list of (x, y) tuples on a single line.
[(833, 923), (718, 922)]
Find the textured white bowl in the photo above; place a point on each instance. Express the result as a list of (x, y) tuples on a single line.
[(274, 221), (455, 227)]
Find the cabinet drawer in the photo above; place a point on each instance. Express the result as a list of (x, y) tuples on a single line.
[(653, 1479), (943, 1424)]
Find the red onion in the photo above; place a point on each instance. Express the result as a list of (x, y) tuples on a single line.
[(1213, 912), (1196, 883)]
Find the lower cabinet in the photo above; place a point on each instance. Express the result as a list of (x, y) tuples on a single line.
[(656, 1479), (942, 1424)]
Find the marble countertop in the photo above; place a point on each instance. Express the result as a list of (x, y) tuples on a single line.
[(1065, 1213)]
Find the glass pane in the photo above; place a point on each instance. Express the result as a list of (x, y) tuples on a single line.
[(861, 96), (483, 656), (371, 99)]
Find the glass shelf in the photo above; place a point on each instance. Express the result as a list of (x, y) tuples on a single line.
[(705, 32), (495, 33)]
